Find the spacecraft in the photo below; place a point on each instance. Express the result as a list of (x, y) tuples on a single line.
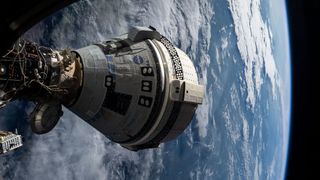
[(138, 89)]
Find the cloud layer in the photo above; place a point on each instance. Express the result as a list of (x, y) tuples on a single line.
[(255, 46)]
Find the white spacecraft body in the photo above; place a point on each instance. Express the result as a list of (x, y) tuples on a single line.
[(9, 141), (138, 89)]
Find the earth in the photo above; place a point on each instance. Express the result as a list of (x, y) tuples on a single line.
[(241, 131)]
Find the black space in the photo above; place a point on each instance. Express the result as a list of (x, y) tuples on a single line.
[(304, 33)]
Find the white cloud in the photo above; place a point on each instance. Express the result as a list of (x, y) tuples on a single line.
[(246, 148), (225, 43), (232, 128), (271, 169), (218, 59), (204, 27), (255, 46), (203, 113), (257, 169)]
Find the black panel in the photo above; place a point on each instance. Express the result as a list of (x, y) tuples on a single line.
[(115, 101)]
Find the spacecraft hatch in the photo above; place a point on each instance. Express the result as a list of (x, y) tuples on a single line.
[(138, 89)]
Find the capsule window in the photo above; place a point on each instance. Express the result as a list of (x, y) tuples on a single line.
[(147, 71), (177, 89), (145, 101), (108, 81), (146, 86)]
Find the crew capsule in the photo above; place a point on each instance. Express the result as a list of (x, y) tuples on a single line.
[(138, 89)]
